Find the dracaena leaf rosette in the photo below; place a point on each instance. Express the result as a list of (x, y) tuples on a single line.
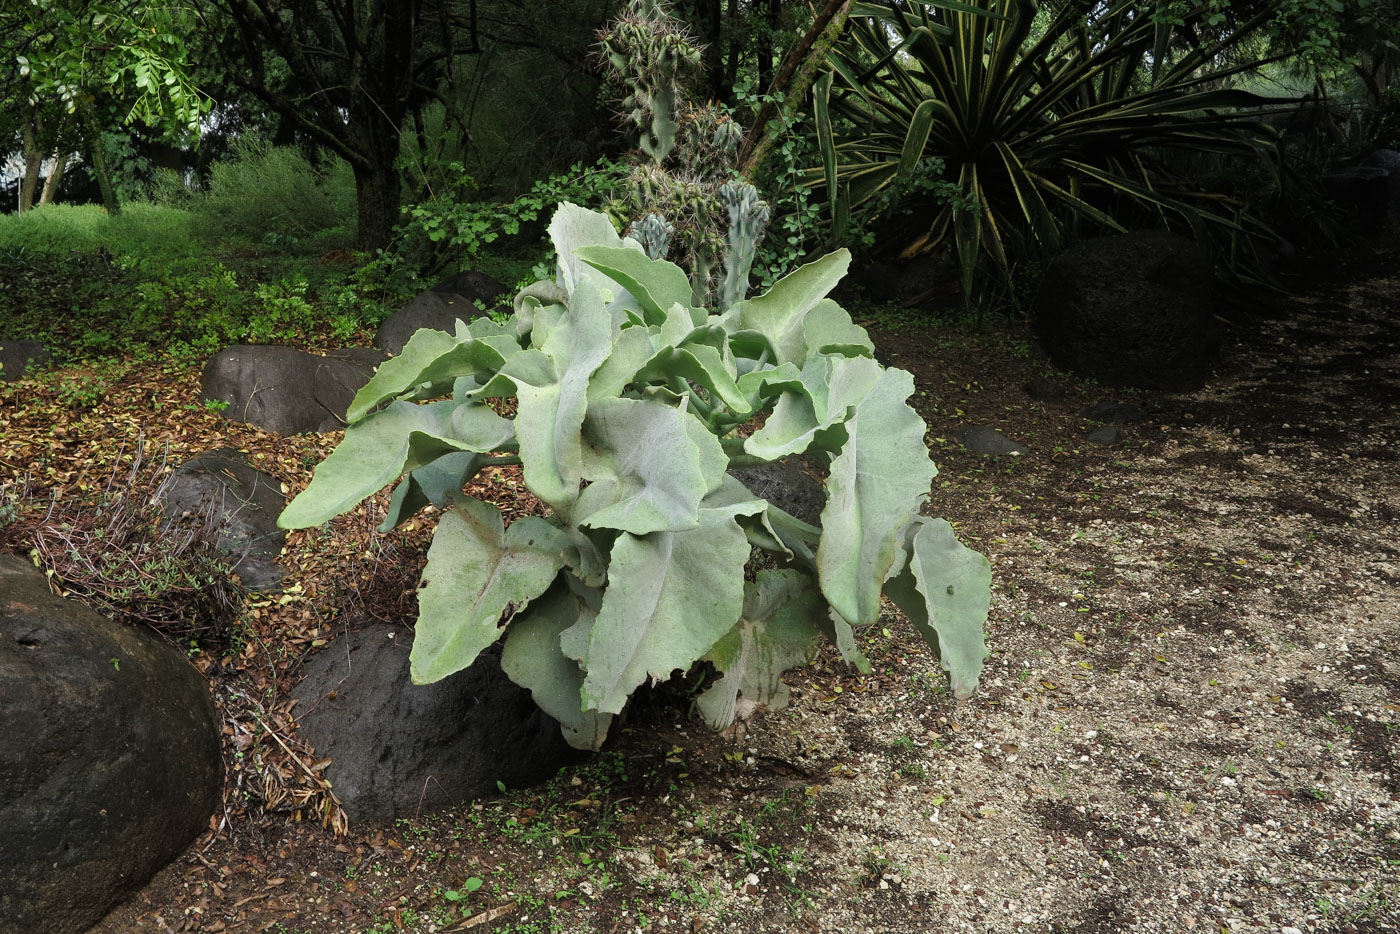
[(1048, 119), (629, 405)]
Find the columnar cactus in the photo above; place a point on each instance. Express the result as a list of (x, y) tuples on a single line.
[(748, 218), (654, 233)]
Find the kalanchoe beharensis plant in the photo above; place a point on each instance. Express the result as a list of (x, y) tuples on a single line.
[(628, 408)]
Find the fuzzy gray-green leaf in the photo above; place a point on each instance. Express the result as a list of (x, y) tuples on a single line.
[(477, 571)]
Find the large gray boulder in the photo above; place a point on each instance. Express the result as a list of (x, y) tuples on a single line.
[(464, 296), (16, 356), (1134, 309), (240, 503), (285, 390), (399, 749), (109, 762)]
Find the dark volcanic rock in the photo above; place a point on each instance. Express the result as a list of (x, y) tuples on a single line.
[(400, 749), (1105, 434), (465, 296), (1114, 413), (242, 504), (984, 439), (110, 763), (1135, 309), (286, 390), (18, 356)]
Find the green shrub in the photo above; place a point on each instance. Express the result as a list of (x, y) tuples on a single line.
[(628, 408), (274, 195)]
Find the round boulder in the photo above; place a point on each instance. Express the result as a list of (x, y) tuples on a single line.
[(398, 749), (285, 390), (241, 503), (110, 764), (1134, 309), (464, 296)]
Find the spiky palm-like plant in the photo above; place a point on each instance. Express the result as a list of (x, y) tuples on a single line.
[(1046, 117)]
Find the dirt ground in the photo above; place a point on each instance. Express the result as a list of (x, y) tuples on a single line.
[(1190, 720)]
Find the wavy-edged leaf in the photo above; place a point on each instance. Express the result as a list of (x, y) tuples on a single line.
[(478, 571), (656, 284), (778, 314), (432, 357), (945, 590), (778, 630), (437, 483), (553, 397), (670, 597), (875, 485), (700, 364), (573, 227), (375, 452), (646, 467), (532, 658), (631, 349), (829, 386)]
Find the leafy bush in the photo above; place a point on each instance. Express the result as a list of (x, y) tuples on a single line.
[(275, 192), (1048, 121), (630, 405)]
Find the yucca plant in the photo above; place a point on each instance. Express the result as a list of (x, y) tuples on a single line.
[(1046, 118)]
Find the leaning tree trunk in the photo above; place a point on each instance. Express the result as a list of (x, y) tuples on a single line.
[(92, 133), (50, 193), (33, 164)]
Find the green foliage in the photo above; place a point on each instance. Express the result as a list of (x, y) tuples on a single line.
[(1048, 123), (266, 191), (627, 405), (465, 227), (91, 285), (137, 53)]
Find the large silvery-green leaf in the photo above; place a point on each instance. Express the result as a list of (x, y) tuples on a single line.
[(655, 283), (573, 227), (554, 397), (778, 631), (437, 483), (828, 328), (945, 590), (779, 313), (631, 349), (532, 658), (829, 386), (477, 571), (376, 451), (432, 357), (646, 469), (875, 485), (670, 597)]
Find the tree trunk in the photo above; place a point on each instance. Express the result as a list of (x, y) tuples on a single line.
[(377, 200), (33, 164), (92, 134), (794, 80), (50, 192)]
